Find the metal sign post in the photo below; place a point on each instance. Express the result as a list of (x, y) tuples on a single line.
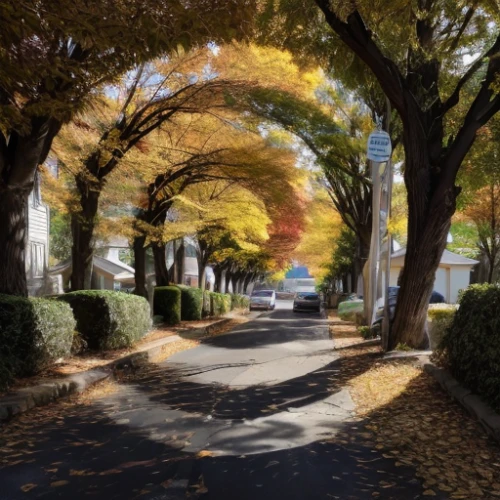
[(379, 150)]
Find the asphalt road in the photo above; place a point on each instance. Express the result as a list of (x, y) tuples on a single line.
[(248, 415)]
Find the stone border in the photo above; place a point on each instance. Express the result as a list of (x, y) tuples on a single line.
[(44, 393), (488, 418), (481, 411)]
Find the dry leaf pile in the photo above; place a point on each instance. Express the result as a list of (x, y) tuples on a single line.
[(403, 413)]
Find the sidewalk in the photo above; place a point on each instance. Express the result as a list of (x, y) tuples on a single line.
[(77, 374), (402, 412)]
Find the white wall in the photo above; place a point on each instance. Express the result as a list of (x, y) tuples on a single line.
[(460, 279), (442, 282)]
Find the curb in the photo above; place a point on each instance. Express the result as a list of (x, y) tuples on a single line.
[(42, 394), (365, 343), (481, 411), (484, 413)]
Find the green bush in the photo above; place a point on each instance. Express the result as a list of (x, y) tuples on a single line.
[(239, 302), (440, 319), (109, 320), (226, 303), (216, 304), (207, 304), (167, 303), (472, 343), (34, 332), (191, 303)]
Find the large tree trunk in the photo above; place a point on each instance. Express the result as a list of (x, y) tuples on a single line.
[(140, 266), (246, 282), (179, 262), (20, 156), (227, 280), (160, 260), (13, 236), (218, 279), (82, 229), (430, 208)]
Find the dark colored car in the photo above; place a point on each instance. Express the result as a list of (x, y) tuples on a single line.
[(306, 301), (436, 298)]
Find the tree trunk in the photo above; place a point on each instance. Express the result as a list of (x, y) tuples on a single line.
[(140, 266), (227, 279), (430, 209), (180, 262), (160, 260), (234, 282), (82, 229), (246, 281), (218, 279), (13, 236)]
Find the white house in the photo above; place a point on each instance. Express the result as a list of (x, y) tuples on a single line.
[(452, 275), (37, 244)]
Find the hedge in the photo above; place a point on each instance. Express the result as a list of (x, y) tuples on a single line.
[(220, 303), (34, 332), (191, 303), (440, 319), (207, 304), (109, 320), (167, 303), (239, 302), (472, 343)]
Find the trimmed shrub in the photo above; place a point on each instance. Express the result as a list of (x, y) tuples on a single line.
[(216, 305), (167, 303), (440, 319), (472, 343), (109, 320), (191, 303), (34, 332), (226, 303), (239, 302)]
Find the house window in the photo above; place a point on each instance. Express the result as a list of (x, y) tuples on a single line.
[(37, 260)]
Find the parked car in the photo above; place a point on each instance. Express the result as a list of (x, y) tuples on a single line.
[(436, 298), (306, 301), (263, 299)]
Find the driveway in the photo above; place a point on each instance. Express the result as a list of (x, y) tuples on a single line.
[(252, 414)]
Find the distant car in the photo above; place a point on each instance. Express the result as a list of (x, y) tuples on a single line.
[(263, 299), (306, 301), (436, 298)]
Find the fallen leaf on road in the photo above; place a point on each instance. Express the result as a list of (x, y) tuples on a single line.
[(56, 484), (28, 487), (204, 453)]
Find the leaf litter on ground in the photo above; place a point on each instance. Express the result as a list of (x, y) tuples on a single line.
[(403, 413)]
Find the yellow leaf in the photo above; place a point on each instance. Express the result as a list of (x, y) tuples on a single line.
[(56, 484), (28, 487)]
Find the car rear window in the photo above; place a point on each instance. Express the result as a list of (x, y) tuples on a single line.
[(263, 293), (308, 296)]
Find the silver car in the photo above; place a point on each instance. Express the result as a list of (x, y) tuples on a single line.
[(263, 299), (306, 301)]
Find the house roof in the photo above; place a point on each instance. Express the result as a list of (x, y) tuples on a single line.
[(448, 258), (118, 270)]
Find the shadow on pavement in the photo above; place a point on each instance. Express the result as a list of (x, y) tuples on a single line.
[(172, 387)]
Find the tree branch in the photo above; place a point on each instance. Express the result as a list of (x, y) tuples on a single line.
[(454, 98), (359, 39)]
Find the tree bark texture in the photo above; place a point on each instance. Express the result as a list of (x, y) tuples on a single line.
[(82, 229), (160, 260), (20, 156), (180, 262), (13, 237), (140, 266)]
